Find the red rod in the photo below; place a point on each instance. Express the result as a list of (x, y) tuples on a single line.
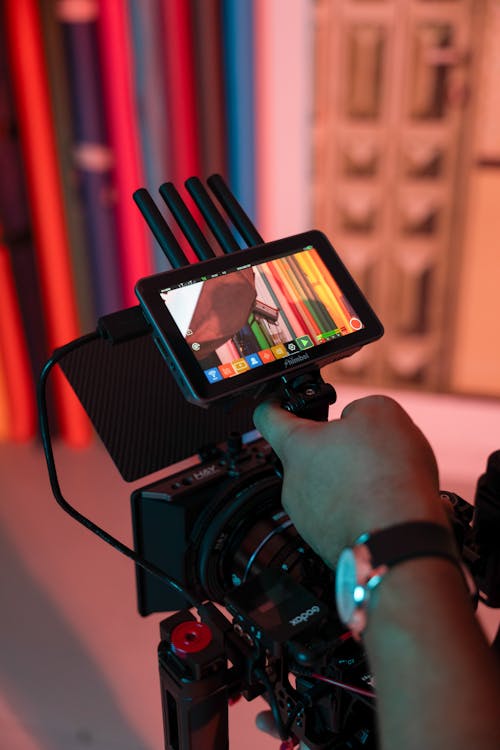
[(117, 68), (15, 357), (38, 142), (181, 101)]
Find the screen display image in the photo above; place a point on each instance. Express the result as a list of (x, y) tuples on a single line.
[(236, 321)]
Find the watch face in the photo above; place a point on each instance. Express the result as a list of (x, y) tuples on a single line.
[(345, 585)]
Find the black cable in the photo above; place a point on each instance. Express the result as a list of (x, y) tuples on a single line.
[(273, 703), (54, 481)]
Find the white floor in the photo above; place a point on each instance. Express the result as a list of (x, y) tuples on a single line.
[(77, 664)]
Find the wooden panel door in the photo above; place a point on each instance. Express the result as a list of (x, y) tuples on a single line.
[(391, 133)]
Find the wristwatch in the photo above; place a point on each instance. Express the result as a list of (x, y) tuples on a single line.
[(361, 568)]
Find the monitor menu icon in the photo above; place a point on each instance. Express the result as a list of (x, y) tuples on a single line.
[(304, 342)]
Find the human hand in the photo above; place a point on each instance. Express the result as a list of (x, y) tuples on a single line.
[(370, 469), (265, 722)]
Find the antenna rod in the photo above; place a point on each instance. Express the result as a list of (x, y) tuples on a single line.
[(182, 215), (162, 232), (234, 210), (212, 215)]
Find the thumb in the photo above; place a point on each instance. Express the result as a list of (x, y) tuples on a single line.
[(275, 424), (265, 722)]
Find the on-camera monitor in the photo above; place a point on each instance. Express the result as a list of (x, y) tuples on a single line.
[(239, 319)]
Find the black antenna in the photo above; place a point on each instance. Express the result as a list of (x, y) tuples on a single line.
[(235, 212), (212, 215), (182, 215), (162, 232)]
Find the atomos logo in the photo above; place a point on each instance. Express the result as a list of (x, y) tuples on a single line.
[(304, 616)]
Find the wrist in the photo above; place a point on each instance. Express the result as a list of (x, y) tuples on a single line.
[(401, 506), (413, 592), (364, 566)]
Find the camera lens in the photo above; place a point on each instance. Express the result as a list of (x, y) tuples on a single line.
[(247, 532), (271, 542)]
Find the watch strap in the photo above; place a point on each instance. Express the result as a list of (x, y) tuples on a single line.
[(374, 553), (409, 540)]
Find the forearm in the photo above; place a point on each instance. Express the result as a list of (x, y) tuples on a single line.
[(435, 678), (437, 682)]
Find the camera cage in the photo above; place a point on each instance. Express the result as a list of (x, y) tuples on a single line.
[(132, 400)]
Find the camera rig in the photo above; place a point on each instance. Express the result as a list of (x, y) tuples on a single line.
[(214, 538), (229, 541)]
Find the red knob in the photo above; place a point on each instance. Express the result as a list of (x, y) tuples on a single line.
[(190, 637)]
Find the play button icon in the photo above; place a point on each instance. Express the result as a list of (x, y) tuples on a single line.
[(304, 342)]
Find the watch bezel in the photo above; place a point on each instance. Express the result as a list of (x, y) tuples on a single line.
[(355, 571)]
